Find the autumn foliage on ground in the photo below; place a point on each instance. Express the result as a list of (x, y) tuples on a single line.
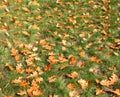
[(59, 48)]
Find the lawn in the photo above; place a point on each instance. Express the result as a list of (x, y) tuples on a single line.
[(59, 48)]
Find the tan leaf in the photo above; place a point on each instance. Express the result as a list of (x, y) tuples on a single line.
[(25, 9), (112, 80), (52, 79), (104, 8), (21, 93), (84, 84), (17, 81), (25, 33), (116, 91)]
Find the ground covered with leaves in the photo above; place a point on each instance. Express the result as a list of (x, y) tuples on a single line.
[(59, 48)]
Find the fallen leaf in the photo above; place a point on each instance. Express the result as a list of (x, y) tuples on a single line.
[(72, 75), (71, 86), (84, 84), (14, 52), (26, 33), (72, 60), (21, 93), (99, 91), (23, 83), (9, 66), (25, 9), (112, 80), (52, 79), (116, 91)]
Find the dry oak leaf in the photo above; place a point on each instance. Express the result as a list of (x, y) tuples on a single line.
[(71, 86), (99, 91), (7, 96), (17, 81), (34, 90), (53, 96), (14, 52), (21, 93), (72, 60), (105, 1), (17, 57), (24, 83), (116, 91), (25, 9), (74, 93), (61, 58), (29, 70), (84, 84), (19, 68), (95, 59), (26, 33), (112, 80), (72, 75), (52, 79), (59, 1), (9, 66)]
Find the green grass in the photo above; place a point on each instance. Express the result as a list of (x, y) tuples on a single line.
[(61, 26)]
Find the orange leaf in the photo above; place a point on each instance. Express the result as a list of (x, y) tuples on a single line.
[(99, 91), (72, 60), (7, 96), (24, 83), (17, 57), (29, 70), (105, 1), (14, 52), (72, 75), (71, 86)]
